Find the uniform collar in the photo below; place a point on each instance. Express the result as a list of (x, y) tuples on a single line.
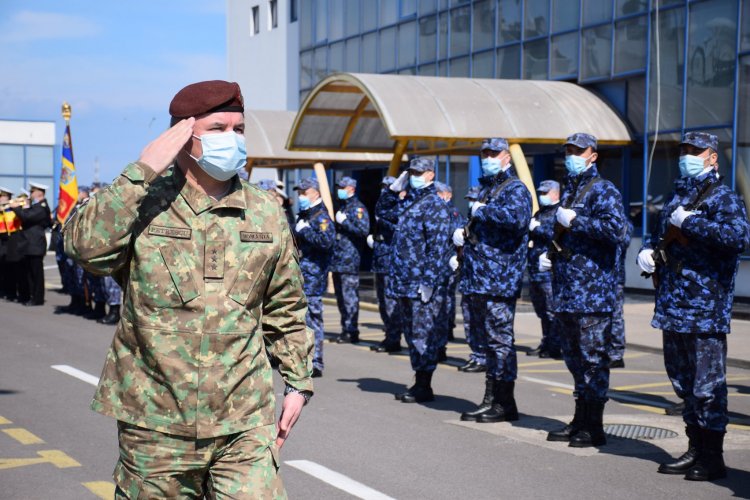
[(200, 202), (500, 177)]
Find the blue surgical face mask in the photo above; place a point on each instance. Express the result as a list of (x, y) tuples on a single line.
[(491, 166), (223, 154), (417, 182), (342, 194), (471, 203), (304, 202), (691, 165), (545, 200), (575, 164)]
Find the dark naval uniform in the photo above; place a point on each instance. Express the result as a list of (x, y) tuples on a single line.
[(35, 220), (693, 308), (351, 234)]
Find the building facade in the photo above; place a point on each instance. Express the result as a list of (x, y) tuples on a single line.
[(27, 154)]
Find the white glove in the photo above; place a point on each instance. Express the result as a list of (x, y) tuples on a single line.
[(425, 292), (370, 241), (340, 217), (679, 216), (453, 262), (400, 183), (534, 224), (565, 216), (302, 224), (646, 260), (458, 237), (544, 263), (476, 206)]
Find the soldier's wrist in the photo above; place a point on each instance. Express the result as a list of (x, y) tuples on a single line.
[(305, 394)]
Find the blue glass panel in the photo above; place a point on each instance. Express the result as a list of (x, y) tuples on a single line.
[(564, 55), (745, 39), (39, 160), (630, 44), (388, 12), (369, 53), (321, 20), (565, 15), (305, 69), (427, 6), (336, 57), (627, 7), (352, 55), (667, 98), (352, 17), (369, 15), (596, 55), (11, 159), (483, 25), (482, 65), (536, 18), (460, 67), (337, 18), (407, 44), (535, 60), (306, 23), (387, 49), (509, 21), (427, 39), (596, 11), (460, 28), (408, 7), (508, 62)]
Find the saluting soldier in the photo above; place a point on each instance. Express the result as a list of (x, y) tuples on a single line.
[(211, 276), (702, 230)]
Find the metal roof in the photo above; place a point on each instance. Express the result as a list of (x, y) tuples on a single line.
[(373, 113), (265, 136)]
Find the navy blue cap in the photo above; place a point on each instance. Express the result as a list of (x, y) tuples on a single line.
[(422, 164), (472, 193), (702, 140), (442, 187), (582, 140), (307, 183), (346, 182), (388, 180), (495, 144), (267, 184), (84, 188), (547, 186)]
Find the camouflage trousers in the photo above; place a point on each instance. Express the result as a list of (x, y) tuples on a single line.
[(477, 343), (446, 320), (346, 287), (617, 346), (492, 318), (585, 348), (95, 286), (697, 367), (112, 291), (157, 465), (540, 293), (388, 307), (314, 320), (418, 320)]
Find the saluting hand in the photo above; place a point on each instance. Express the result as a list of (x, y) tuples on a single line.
[(161, 152)]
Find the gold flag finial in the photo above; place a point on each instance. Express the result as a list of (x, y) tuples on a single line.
[(66, 111)]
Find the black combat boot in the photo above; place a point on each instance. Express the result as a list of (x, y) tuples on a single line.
[(80, 308), (687, 459), (442, 355), (99, 311), (489, 387), (386, 346), (503, 408), (421, 392), (592, 433), (348, 338), (573, 427), (113, 317), (709, 465), (675, 410)]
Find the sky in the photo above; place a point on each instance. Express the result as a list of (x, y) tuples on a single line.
[(118, 64)]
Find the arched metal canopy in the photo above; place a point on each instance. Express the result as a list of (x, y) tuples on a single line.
[(420, 114)]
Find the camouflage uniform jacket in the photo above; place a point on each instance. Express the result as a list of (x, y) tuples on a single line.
[(494, 265), (383, 235), (351, 236), (696, 287), (315, 244), (207, 284), (587, 281), (421, 242), (539, 241)]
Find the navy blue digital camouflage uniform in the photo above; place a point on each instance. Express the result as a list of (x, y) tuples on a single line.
[(617, 345), (446, 321), (540, 282), (113, 291), (493, 266), (419, 257), (584, 285), (695, 292), (95, 287), (315, 245), (350, 241), (381, 251)]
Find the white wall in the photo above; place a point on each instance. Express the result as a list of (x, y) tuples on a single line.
[(27, 133)]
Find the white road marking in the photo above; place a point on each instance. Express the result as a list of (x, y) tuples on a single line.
[(614, 395), (49, 267), (337, 480), (75, 372), (547, 382)]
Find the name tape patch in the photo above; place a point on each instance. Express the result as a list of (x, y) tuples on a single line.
[(256, 237), (170, 232)]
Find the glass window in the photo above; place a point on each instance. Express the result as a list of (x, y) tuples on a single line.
[(482, 65), (352, 55), (293, 11), (711, 63), (745, 39), (39, 160), (627, 7), (509, 21), (671, 57), (388, 12), (387, 49), (596, 11), (321, 21), (564, 55), (11, 159), (565, 15), (336, 57), (336, 23), (306, 23), (427, 39), (407, 71), (636, 102), (408, 8), (369, 15), (427, 6), (536, 14), (460, 67), (319, 64), (407, 44), (535, 60), (305, 69), (427, 70), (483, 27), (443, 68), (597, 52), (460, 28), (743, 133), (443, 36), (255, 21), (351, 27), (273, 9), (630, 45), (508, 64), (369, 53)]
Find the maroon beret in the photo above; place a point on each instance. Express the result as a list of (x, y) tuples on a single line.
[(213, 96)]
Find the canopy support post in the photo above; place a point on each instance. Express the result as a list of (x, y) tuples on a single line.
[(325, 190), (522, 168), (398, 153)]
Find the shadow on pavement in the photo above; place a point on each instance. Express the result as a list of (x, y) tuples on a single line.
[(4, 392), (441, 403)]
